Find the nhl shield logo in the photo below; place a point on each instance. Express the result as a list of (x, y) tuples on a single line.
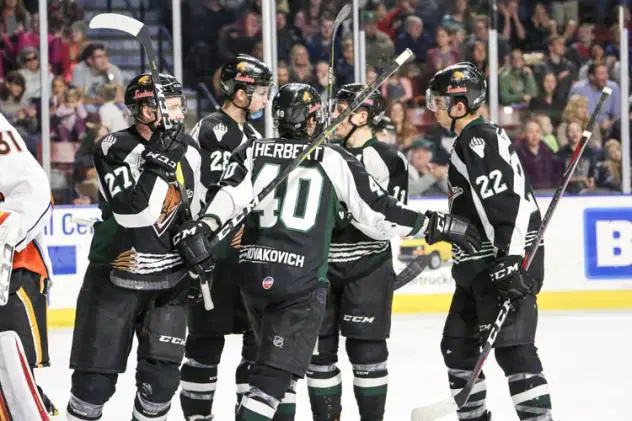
[(267, 282)]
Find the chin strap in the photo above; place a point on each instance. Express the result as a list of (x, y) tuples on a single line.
[(454, 119)]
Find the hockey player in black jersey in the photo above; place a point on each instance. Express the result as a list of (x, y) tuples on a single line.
[(488, 186), (245, 84), (284, 248), (361, 275), (136, 282)]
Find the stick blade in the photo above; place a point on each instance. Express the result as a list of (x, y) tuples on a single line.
[(434, 411), (343, 14), (116, 21)]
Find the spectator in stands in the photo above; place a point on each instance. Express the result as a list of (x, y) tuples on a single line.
[(77, 42), (300, 66), (540, 164), (598, 56), (556, 63), (379, 47), (458, 16), (429, 12), (435, 182), (577, 110), (479, 57), (548, 100), (59, 86), (286, 36), (344, 66), (399, 87), (15, 17), (517, 85), (283, 73), (548, 137), (444, 54), (27, 36), (565, 11), (12, 95), (319, 46), (371, 74), (481, 33), (414, 37), (584, 176), (84, 173), (111, 115), (609, 171), (591, 89), (321, 79), (30, 69), (240, 37), (419, 155), (308, 31), (580, 50), (70, 122), (405, 131), (539, 28), (389, 21), (509, 25), (458, 41), (93, 72)]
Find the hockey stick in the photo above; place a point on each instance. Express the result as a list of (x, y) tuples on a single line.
[(413, 270), (327, 133), (140, 31), (443, 408), (340, 17)]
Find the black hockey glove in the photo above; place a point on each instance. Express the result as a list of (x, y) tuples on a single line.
[(509, 278), (193, 243), (163, 152), (446, 227)]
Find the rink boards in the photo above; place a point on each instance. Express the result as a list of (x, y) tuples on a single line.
[(588, 258)]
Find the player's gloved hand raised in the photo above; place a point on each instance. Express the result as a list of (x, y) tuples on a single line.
[(163, 152), (193, 243), (509, 278), (446, 227)]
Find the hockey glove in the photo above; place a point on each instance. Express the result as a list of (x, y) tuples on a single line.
[(446, 227), (509, 278), (163, 152), (193, 243)]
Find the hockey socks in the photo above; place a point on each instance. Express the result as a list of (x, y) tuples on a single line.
[(79, 410), (324, 385), (145, 410), (530, 395), (474, 409), (242, 377), (257, 406), (197, 388), (287, 407), (370, 383)]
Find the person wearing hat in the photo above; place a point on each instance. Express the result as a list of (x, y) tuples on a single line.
[(379, 47), (419, 155), (437, 174)]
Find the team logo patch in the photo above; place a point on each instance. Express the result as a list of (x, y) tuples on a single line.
[(278, 341), (144, 80), (267, 282), (107, 143), (220, 130), (307, 97), (242, 66), (169, 207), (457, 76), (478, 146)]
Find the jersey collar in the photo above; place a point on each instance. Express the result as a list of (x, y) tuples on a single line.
[(475, 122), (372, 141)]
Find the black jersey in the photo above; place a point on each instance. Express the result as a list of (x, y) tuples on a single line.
[(489, 188), (286, 239), (218, 135), (353, 252), (140, 212)]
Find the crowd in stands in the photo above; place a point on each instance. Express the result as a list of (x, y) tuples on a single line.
[(554, 57)]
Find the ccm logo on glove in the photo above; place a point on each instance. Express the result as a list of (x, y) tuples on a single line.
[(504, 271), (161, 158)]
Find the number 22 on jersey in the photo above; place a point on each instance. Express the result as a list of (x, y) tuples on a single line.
[(298, 208)]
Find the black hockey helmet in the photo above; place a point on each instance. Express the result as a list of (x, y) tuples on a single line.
[(141, 89), (459, 82), (244, 72), (385, 124), (293, 105), (373, 103)]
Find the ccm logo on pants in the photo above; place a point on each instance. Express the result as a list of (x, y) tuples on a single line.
[(357, 319), (171, 339)]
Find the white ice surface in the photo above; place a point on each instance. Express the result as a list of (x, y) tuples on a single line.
[(587, 359)]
